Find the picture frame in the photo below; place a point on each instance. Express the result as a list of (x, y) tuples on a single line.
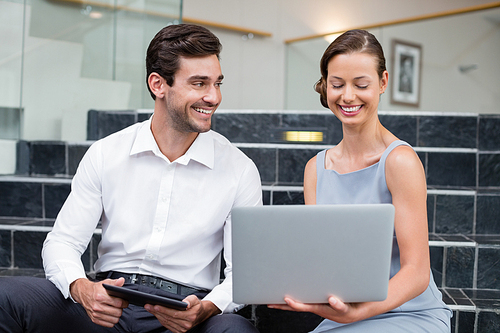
[(406, 73)]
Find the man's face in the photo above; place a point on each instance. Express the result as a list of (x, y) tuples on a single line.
[(195, 94)]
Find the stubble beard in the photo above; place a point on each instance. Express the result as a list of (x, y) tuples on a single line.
[(180, 120)]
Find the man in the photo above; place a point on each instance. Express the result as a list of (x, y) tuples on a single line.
[(163, 191)]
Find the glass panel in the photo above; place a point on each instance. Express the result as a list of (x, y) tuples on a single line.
[(134, 32), (11, 41), (459, 72), (137, 23), (10, 120), (302, 73), (74, 57)]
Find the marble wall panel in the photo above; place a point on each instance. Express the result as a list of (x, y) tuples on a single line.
[(48, 158), (488, 321), (92, 252), (265, 160), (54, 197), (28, 248), (454, 214), (101, 124), (292, 163), (436, 257), (488, 214), (431, 212), (75, 155), (266, 197), (86, 259), (488, 268), (21, 199), (404, 127), (451, 169), (489, 132), (287, 198), (246, 127), (5, 248), (489, 170), (444, 131), (465, 321), (459, 267)]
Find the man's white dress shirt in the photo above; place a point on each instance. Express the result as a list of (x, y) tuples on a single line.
[(161, 218)]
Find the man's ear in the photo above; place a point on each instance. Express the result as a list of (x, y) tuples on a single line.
[(157, 84)]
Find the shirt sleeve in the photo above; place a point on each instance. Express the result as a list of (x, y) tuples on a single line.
[(249, 194), (74, 225)]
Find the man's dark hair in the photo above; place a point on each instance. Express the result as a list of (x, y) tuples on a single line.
[(174, 41)]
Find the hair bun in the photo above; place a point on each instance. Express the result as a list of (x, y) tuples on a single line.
[(320, 88)]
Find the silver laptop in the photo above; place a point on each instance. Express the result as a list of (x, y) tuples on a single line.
[(309, 252)]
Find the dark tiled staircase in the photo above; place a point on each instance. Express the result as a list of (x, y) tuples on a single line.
[(460, 153)]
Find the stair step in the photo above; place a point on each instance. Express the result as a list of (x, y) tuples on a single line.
[(21, 241), (457, 261), (463, 200), (446, 168)]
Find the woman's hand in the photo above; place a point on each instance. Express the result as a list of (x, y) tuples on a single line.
[(335, 309)]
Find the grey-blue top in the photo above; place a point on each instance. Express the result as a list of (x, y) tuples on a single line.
[(369, 185)]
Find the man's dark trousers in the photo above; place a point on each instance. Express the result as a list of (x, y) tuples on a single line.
[(30, 304)]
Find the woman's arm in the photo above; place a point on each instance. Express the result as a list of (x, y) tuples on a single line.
[(406, 181), (405, 178), (310, 178)]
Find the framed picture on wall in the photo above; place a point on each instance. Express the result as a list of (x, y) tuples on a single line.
[(406, 71)]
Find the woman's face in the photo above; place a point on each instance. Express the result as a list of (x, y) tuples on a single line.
[(354, 87)]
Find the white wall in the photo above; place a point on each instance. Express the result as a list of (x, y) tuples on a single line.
[(255, 69), (448, 44), (57, 94)]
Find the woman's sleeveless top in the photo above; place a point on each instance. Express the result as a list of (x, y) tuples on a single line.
[(368, 186)]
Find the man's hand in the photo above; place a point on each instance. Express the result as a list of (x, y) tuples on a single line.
[(183, 320), (102, 309)]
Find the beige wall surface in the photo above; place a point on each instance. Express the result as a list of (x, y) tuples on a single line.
[(62, 79), (255, 69), (295, 18), (62, 74)]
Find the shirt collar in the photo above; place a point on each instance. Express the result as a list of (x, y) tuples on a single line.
[(202, 149)]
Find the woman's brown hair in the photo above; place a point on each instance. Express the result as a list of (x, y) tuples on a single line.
[(349, 42)]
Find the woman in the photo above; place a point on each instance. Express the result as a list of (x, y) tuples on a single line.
[(371, 165)]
